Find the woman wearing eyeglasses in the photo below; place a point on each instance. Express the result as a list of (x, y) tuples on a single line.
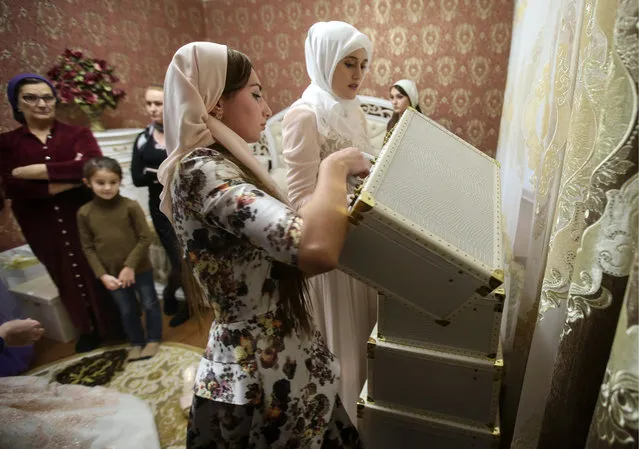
[(41, 169)]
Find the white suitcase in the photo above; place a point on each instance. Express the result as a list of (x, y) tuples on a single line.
[(473, 329), (383, 427), (20, 265), (40, 300), (426, 225), (451, 386)]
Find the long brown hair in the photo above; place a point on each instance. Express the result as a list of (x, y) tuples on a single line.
[(395, 117), (294, 307)]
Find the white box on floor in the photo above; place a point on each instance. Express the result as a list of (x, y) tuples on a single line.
[(426, 225), (473, 329), (19, 265), (384, 427), (452, 386), (40, 300)]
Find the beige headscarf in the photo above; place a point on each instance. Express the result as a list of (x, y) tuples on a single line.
[(193, 85)]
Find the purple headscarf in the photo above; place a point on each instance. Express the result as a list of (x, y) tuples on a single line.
[(12, 92)]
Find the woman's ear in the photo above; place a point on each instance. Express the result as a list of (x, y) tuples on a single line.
[(86, 182), (218, 110)]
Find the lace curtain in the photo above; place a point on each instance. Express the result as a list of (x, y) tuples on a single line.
[(569, 164)]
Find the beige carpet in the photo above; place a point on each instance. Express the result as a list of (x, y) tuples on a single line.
[(158, 381)]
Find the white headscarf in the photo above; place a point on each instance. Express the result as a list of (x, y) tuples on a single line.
[(193, 85), (326, 45), (411, 89)]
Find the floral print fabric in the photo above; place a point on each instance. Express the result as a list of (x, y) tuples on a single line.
[(232, 234)]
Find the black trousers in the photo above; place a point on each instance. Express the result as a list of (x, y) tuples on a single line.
[(166, 234)]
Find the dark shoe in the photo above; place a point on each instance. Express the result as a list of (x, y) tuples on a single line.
[(87, 342), (170, 304), (181, 316)]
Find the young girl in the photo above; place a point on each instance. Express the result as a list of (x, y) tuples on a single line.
[(325, 120), (267, 379), (115, 239), (149, 152), (402, 95)]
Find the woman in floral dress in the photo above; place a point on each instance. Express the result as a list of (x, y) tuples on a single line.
[(267, 378)]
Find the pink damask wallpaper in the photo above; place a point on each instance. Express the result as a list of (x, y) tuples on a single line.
[(138, 37), (455, 50)]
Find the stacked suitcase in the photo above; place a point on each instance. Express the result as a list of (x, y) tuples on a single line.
[(429, 217)]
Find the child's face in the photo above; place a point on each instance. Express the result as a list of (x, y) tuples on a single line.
[(104, 183)]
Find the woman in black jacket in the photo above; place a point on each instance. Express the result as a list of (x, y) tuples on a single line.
[(148, 153)]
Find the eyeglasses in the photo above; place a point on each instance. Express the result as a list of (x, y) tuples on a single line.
[(35, 99)]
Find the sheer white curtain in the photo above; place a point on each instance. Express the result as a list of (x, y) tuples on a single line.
[(532, 136), (565, 83)]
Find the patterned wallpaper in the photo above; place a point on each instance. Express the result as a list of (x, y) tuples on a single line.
[(455, 50), (138, 37)]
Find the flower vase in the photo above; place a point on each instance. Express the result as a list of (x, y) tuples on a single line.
[(95, 118)]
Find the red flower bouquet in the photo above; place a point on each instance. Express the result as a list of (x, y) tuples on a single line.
[(86, 82)]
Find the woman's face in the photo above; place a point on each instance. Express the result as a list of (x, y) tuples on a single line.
[(37, 102), (349, 74), (154, 101), (245, 111), (400, 101)]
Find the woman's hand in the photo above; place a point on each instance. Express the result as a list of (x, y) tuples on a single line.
[(325, 215), (352, 160), (21, 332), (33, 171)]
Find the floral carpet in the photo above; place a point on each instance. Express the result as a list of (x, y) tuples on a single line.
[(158, 381)]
